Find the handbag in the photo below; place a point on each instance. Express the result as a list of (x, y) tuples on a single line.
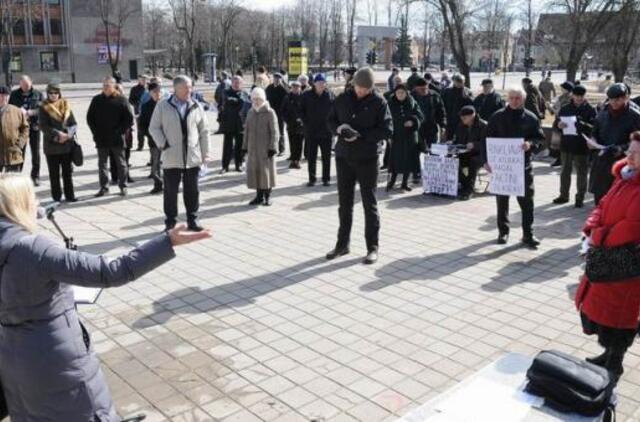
[(612, 264), (77, 156), (569, 384)]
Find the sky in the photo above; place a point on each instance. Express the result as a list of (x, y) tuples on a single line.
[(266, 4)]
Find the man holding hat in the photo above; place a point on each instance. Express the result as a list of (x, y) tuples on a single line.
[(361, 119), (315, 107), (488, 102), (612, 128), (276, 92), (455, 97), (434, 121), (472, 135), (573, 148), (14, 135)]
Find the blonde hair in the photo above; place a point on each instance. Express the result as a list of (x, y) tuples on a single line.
[(18, 201)]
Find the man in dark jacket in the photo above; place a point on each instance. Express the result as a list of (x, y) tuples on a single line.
[(611, 129), (534, 101), (232, 114), (455, 97), (391, 80), (514, 121), (361, 119), (471, 134), (135, 97), (28, 99), (146, 111), (291, 112), (314, 110), (488, 102), (432, 83), (411, 80), (574, 147), (434, 121), (109, 117), (276, 92)]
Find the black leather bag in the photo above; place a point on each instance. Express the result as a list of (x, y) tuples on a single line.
[(77, 156), (612, 264), (569, 384)]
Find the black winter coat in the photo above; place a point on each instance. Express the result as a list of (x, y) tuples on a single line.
[(435, 117), (454, 99), (477, 135), (235, 104), (521, 123), (146, 112), (109, 118), (585, 115), (29, 101), (412, 80), (315, 110), (275, 96), (291, 112), (487, 104), (404, 143), (369, 116), (135, 95)]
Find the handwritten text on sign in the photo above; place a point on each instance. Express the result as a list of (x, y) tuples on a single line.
[(506, 159), (440, 174)]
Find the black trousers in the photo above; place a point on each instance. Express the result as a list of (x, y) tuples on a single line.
[(34, 145), (526, 206), (119, 163), (313, 143), (365, 173), (56, 163), (467, 174), (113, 167), (296, 144), (156, 171), (232, 147), (281, 131), (190, 194), (140, 134)]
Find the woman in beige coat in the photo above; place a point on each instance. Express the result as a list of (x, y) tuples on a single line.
[(261, 144)]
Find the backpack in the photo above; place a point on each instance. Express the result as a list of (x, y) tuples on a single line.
[(569, 384)]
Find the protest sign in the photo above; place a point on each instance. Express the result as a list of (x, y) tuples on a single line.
[(440, 174), (506, 159)]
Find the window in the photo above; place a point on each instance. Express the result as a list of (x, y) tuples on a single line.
[(49, 61), (18, 28), (38, 27), (16, 62), (56, 26)]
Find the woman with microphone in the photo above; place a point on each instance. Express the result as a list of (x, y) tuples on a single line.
[(48, 370)]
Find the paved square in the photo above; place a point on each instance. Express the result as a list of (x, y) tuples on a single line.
[(254, 325)]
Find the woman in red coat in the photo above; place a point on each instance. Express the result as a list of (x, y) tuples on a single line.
[(611, 309)]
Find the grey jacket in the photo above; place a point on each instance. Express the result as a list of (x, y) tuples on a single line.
[(261, 135), (180, 149), (47, 366)]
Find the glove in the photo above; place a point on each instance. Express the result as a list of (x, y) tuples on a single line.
[(271, 153)]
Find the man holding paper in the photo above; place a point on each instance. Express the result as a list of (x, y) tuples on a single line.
[(514, 122), (573, 120)]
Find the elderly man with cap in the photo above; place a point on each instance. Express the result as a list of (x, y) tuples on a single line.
[(488, 102), (276, 91), (28, 99), (361, 119), (315, 107), (611, 129), (472, 135), (434, 118), (14, 135), (291, 112), (573, 147), (514, 121), (455, 97), (534, 101), (304, 83)]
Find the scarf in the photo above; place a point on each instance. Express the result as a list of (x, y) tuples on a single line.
[(58, 110)]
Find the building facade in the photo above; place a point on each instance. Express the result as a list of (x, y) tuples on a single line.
[(66, 40)]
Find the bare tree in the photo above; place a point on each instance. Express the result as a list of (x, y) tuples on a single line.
[(351, 10), (337, 34), (113, 15), (228, 13), (494, 20), (185, 14), (155, 27), (622, 32)]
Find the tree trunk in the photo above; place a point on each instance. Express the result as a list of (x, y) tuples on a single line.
[(572, 69)]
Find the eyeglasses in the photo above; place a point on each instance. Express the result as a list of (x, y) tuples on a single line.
[(53, 93)]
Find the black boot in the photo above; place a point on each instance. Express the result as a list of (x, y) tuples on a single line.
[(614, 362), (405, 183), (601, 359), (392, 181), (266, 198), (258, 199)]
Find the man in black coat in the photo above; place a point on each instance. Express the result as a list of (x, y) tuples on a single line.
[(488, 102), (28, 99), (109, 117), (146, 111), (233, 110), (135, 97), (472, 135), (315, 107), (455, 97), (276, 91), (612, 128), (573, 148), (411, 80), (291, 112), (432, 83), (435, 119), (361, 119), (514, 121)]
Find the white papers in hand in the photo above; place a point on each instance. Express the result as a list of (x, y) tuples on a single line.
[(570, 122)]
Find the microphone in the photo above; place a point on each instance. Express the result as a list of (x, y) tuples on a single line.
[(47, 210)]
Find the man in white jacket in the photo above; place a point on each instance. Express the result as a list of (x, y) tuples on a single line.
[(180, 130)]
